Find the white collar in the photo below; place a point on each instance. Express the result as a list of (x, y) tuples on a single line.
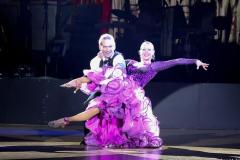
[(108, 57)]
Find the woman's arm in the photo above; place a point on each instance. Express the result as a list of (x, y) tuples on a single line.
[(76, 83), (163, 65)]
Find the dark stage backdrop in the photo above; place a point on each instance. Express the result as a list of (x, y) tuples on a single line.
[(177, 105)]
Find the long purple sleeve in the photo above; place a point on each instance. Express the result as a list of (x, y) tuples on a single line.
[(163, 65), (142, 75)]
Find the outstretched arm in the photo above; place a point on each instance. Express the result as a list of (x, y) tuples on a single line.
[(76, 83), (163, 65)]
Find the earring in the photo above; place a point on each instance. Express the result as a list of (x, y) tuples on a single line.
[(153, 57)]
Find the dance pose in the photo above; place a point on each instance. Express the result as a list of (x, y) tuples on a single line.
[(123, 116), (107, 56)]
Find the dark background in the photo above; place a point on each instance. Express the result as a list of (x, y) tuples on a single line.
[(176, 105), (58, 38), (46, 43)]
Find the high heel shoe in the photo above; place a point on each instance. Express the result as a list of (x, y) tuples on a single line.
[(62, 122)]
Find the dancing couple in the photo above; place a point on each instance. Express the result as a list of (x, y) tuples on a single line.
[(119, 114)]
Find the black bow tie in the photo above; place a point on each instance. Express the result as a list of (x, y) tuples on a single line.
[(106, 61)]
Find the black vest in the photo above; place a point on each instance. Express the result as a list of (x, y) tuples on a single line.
[(108, 62)]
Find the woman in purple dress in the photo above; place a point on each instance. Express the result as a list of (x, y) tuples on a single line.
[(124, 116)]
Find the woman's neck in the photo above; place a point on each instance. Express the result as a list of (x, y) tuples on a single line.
[(145, 62)]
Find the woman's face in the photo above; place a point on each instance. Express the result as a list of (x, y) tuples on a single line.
[(146, 53)]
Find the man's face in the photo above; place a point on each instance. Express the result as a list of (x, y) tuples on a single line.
[(107, 48)]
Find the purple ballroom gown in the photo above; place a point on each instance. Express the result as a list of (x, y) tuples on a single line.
[(126, 118)]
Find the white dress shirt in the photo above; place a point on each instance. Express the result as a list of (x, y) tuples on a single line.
[(95, 62)]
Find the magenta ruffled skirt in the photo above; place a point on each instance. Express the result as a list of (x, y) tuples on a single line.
[(126, 119)]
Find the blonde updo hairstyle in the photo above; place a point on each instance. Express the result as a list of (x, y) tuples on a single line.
[(149, 44)]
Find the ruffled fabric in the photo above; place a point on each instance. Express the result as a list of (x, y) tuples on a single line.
[(126, 119), (95, 76)]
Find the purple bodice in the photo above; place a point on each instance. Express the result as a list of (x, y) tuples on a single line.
[(143, 74)]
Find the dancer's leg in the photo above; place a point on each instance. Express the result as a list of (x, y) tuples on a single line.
[(83, 116)]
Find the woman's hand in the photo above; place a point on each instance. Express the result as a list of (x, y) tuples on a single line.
[(76, 83), (203, 65), (67, 85)]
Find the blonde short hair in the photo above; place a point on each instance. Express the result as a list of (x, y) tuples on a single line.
[(108, 37)]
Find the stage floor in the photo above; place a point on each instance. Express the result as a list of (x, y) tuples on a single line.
[(41, 142)]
